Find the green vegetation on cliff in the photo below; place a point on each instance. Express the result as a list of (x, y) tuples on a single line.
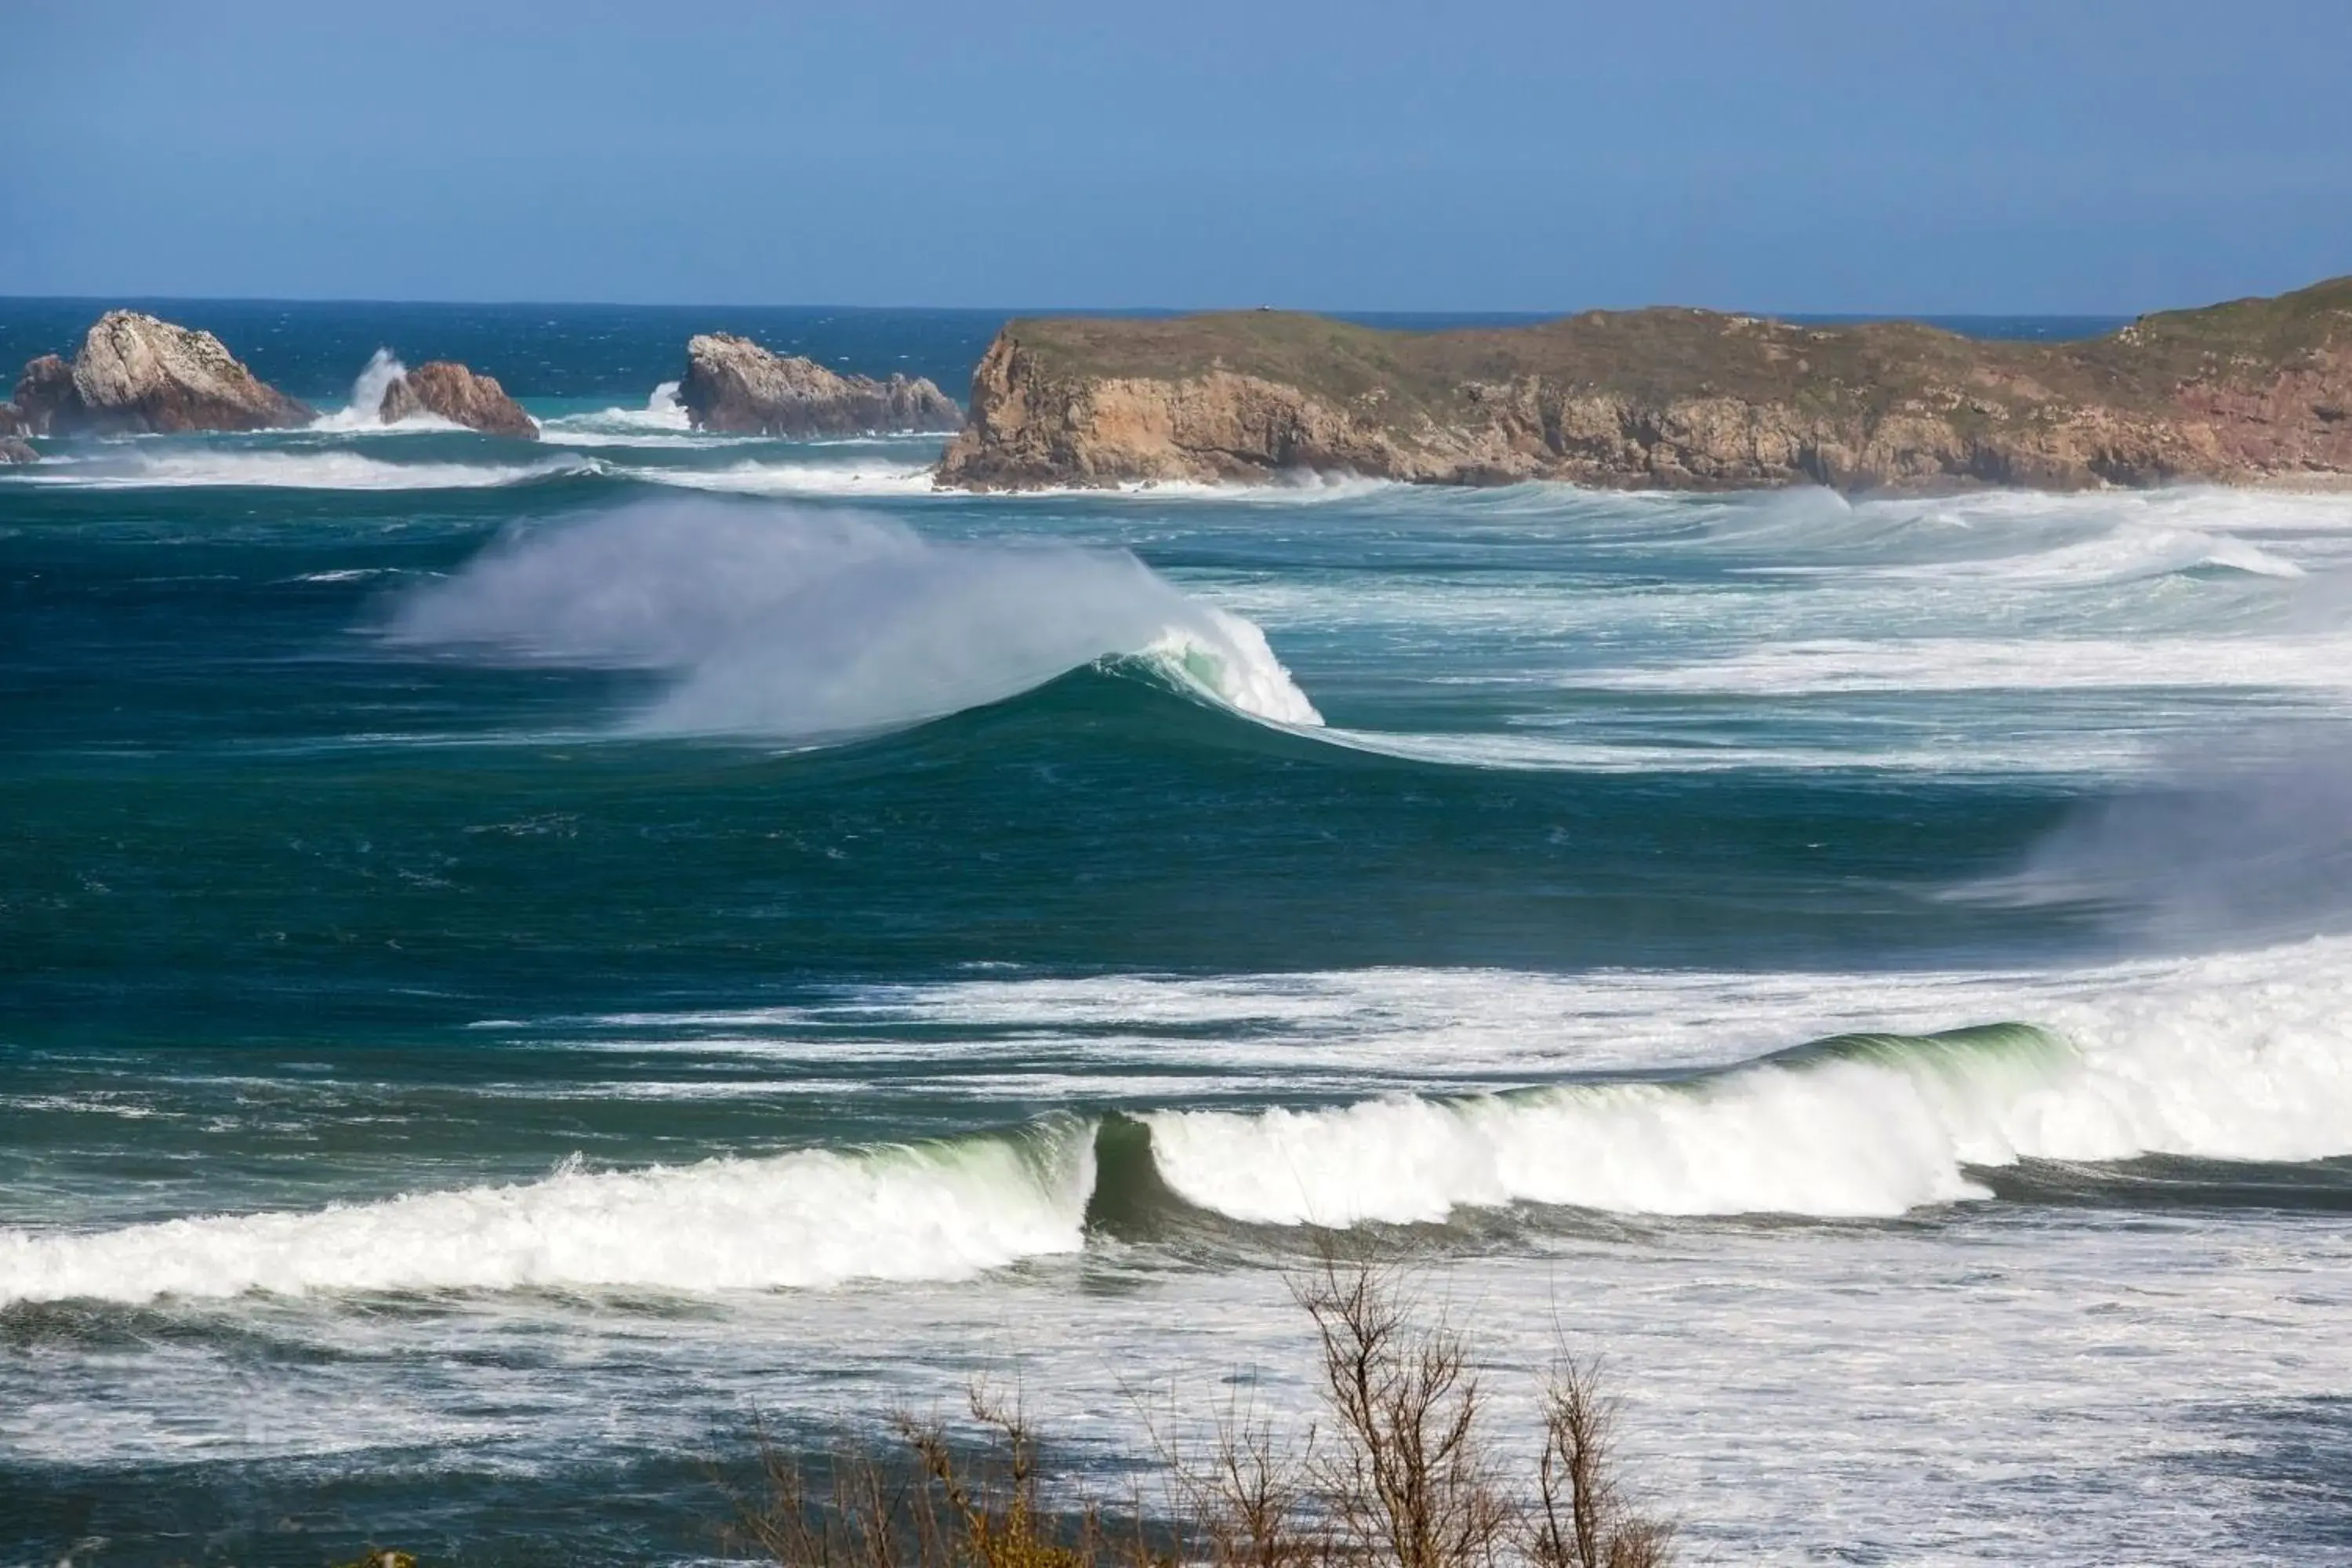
[(2248, 392)]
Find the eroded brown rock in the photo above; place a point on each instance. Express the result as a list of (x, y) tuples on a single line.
[(2253, 391), (135, 373), (733, 385), (14, 449), (46, 386), (449, 390)]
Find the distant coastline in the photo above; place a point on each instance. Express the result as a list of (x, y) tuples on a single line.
[(2254, 392)]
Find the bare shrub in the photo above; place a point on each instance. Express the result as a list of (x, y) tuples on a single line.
[(1412, 1482), (1401, 1474), (1581, 1517)]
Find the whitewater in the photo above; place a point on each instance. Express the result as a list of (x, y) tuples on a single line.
[(527, 956)]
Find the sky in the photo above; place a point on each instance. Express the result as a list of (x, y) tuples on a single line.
[(1926, 156)]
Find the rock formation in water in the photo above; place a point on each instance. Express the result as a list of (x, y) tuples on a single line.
[(449, 390), (12, 428), (136, 373), (2254, 392), (735, 385)]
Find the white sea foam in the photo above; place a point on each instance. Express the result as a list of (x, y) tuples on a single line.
[(750, 478), (2247, 1057), (942, 1211), (363, 415), (2321, 663), (157, 468), (817, 624), (662, 422)]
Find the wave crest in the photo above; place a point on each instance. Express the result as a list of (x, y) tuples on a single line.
[(814, 626), (818, 1218)]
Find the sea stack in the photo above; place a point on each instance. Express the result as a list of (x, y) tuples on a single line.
[(12, 450), (734, 386), (452, 391), (137, 375), (2254, 392)]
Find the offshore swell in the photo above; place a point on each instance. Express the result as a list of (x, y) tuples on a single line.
[(543, 946)]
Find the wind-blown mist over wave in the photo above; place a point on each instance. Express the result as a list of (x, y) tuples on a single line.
[(937, 1211), (2254, 843), (801, 625)]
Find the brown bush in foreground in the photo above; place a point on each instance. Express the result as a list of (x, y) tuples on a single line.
[(1402, 1473)]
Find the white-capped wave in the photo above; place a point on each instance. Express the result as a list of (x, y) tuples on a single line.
[(818, 1218), (363, 415), (2245, 1057), (662, 422), (157, 468), (803, 625), (2316, 663), (853, 478)]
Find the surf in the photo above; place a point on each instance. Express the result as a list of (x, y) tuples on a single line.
[(2239, 1059), (771, 622)]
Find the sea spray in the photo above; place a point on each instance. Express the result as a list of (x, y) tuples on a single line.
[(364, 412), (810, 625)]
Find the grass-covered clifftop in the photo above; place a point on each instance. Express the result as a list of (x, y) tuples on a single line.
[(2253, 391)]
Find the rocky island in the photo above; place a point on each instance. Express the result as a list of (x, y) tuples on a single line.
[(449, 390), (135, 374), (2253, 391), (734, 386)]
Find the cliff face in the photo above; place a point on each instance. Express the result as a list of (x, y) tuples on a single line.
[(449, 390), (2255, 391), (735, 385), (136, 373)]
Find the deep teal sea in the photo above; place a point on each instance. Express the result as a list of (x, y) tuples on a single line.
[(518, 958)]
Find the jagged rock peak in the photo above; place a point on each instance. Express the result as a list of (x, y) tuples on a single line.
[(449, 390), (733, 385), (136, 373)]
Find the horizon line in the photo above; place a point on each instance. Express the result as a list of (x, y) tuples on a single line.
[(1010, 313)]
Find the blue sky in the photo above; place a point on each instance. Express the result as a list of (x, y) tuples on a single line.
[(1903, 156)]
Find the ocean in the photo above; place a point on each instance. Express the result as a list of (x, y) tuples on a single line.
[(522, 964)]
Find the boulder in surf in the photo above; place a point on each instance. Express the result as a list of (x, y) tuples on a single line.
[(732, 384), (452, 391), (136, 375)]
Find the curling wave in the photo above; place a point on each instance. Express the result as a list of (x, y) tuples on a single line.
[(807, 626), (935, 1211), (2244, 1057)]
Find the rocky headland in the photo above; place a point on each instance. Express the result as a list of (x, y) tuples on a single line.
[(734, 386), (135, 374), (2253, 391), (450, 391)]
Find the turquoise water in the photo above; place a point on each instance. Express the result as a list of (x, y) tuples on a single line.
[(518, 954)]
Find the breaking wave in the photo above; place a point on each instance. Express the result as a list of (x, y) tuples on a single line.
[(813, 626), (934, 1210), (228, 468), (363, 415), (2242, 1057)]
